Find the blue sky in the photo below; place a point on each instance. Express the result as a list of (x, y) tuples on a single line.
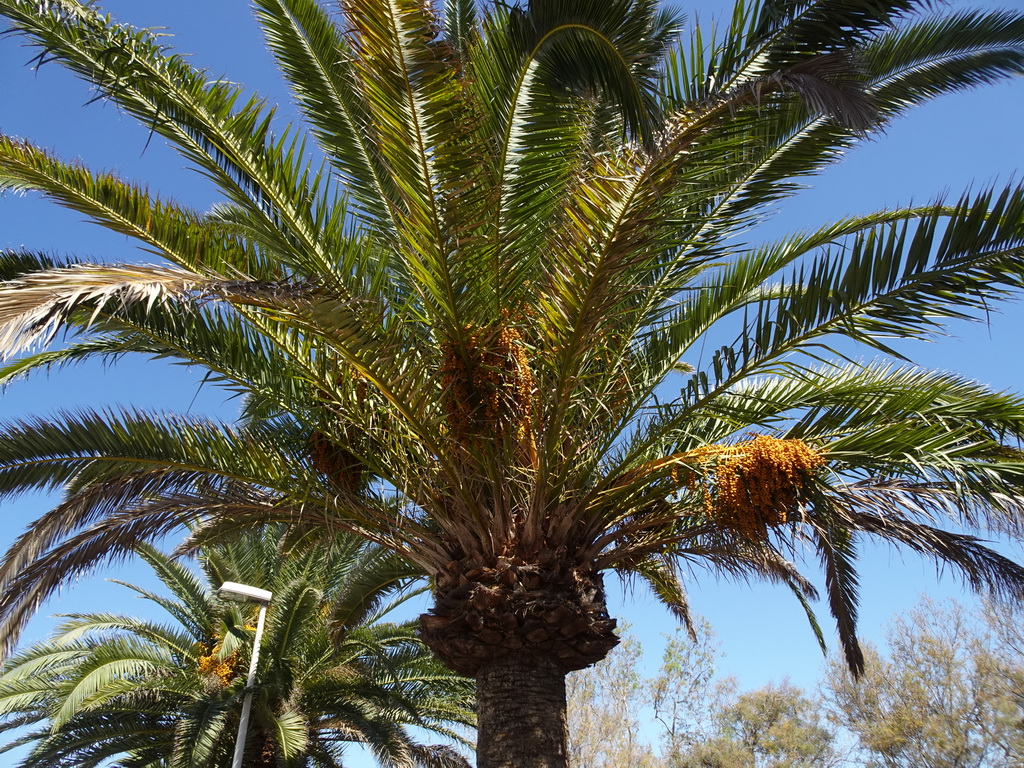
[(948, 146)]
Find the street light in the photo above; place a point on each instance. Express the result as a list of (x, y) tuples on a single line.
[(243, 593)]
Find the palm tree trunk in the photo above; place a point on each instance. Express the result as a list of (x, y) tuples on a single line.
[(521, 713)]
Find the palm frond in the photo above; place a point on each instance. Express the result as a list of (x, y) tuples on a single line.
[(180, 235), (836, 548), (228, 136)]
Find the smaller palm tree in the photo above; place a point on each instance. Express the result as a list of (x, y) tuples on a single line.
[(332, 672)]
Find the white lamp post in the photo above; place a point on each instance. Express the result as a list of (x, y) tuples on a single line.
[(243, 593)]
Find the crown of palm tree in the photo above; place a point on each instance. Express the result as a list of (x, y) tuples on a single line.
[(461, 333), (333, 671)]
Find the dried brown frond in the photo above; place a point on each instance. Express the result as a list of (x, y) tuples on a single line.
[(34, 307)]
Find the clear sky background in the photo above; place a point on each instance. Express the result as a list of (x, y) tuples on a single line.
[(966, 140)]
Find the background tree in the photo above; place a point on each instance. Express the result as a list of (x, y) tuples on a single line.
[(1006, 625), (605, 712), (332, 671), (946, 693), (772, 727), (942, 696), (619, 715), (683, 715), (450, 332), (686, 692)]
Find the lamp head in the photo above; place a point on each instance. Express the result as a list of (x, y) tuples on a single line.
[(243, 593)]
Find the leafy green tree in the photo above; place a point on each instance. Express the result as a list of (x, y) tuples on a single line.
[(685, 717), (773, 727), (332, 671), (942, 696), (1005, 623), (450, 328)]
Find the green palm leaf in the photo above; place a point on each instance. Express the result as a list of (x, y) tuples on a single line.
[(110, 687)]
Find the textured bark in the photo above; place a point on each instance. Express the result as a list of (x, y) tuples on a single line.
[(521, 713), (518, 626), (550, 608)]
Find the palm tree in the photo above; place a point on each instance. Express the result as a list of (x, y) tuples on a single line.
[(333, 671), (455, 335)]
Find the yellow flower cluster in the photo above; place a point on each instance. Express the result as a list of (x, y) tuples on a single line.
[(224, 669), (758, 482), (489, 388)]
